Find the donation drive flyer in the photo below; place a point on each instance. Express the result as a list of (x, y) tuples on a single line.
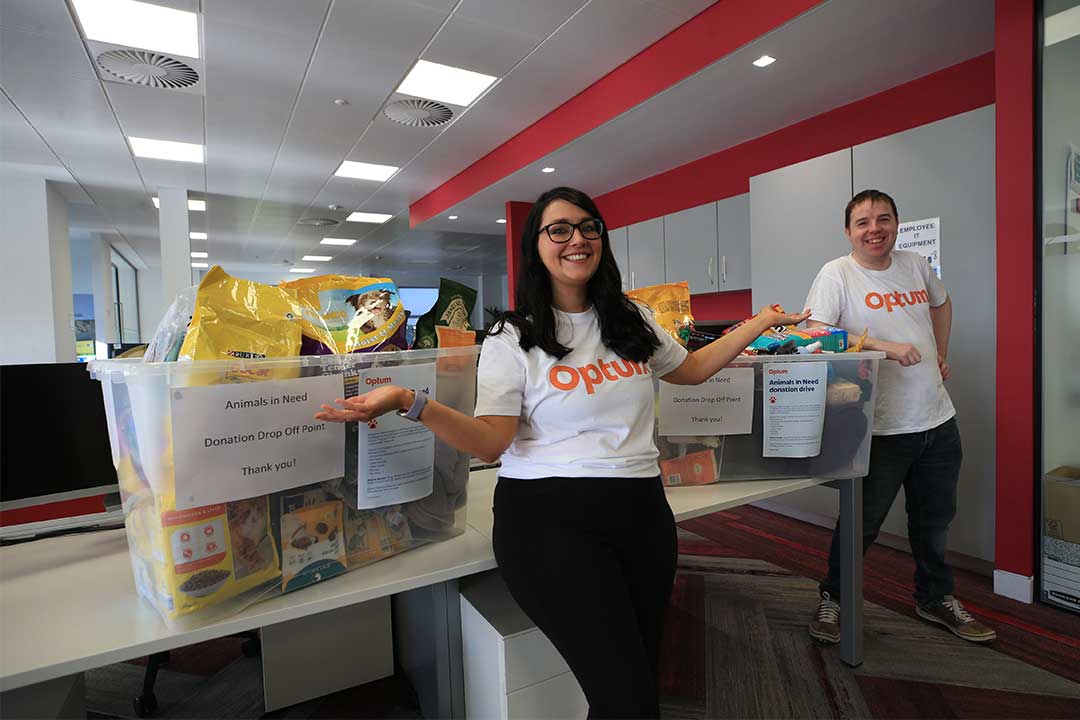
[(396, 456), (794, 408)]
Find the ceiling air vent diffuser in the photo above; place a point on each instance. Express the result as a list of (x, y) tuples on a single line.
[(317, 222), (418, 113), (151, 69)]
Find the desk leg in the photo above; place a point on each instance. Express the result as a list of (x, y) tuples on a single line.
[(851, 571), (427, 646)]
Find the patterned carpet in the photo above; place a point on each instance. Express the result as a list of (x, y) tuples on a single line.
[(736, 647)]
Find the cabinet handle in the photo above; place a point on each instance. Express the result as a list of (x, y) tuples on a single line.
[(723, 267), (632, 284), (711, 259)]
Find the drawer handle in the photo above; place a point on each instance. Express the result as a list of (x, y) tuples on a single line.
[(711, 259), (723, 267)]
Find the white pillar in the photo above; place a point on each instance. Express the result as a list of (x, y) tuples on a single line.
[(175, 243), (102, 283), (151, 305), (37, 323)]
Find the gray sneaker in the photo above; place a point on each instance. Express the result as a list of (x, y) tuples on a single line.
[(826, 627), (950, 613)]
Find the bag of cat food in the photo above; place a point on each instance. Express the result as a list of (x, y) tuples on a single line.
[(313, 544), (188, 560), (452, 309), (344, 314), (670, 305), (236, 318)]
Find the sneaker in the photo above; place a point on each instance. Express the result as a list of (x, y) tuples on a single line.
[(826, 628), (950, 613)]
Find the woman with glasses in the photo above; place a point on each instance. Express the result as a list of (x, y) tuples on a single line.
[(583, 534)]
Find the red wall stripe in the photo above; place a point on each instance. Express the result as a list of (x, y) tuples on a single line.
[(52, 511), (712, 34), (954, 90), (732, 305), (1014, 43)]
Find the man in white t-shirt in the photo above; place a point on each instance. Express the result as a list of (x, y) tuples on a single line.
[(896, 296)]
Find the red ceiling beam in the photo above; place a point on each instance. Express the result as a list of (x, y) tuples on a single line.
[(709, 36)]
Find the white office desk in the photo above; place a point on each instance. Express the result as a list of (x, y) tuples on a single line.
[(68, 604)]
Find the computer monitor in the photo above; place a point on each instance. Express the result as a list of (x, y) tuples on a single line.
[(54, 441)]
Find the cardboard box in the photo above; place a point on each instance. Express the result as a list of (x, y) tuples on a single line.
[(697, 468), (1061, 504)]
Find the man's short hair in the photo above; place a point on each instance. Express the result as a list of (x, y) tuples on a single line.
[(871, 195)]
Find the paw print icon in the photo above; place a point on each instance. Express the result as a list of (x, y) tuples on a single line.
[(373, 423), (772, 400)]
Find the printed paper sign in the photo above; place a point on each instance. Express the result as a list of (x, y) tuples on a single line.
[(922, 237), (241, 440), (396, 456), (722, 405), (794, 409)]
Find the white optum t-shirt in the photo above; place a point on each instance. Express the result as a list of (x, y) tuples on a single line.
[(589, 414), (895, 305)]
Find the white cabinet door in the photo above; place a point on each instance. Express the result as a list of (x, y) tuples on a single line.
[(645, 241), (690, 248), (622, 258), (733, 241)]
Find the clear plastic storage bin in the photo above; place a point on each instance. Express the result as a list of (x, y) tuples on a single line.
[(199, 563), (845, 432)]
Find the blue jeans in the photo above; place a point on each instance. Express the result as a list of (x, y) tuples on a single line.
[(927, 465)]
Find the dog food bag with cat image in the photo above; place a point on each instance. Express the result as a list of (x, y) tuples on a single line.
[(453, 308), (241, 319), (345, 314)]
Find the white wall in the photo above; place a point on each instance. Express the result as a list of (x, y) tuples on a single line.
[(36, 294), (152, 303)]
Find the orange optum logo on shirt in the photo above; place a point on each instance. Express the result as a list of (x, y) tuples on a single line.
[(889, 300), (566, 378)]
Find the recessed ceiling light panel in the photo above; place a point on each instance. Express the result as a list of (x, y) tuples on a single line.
[(301, 270), (444, 83), (198, 254), (452, 217), (199, 265), (337, 241), (166, 150), (140, 24), (547, 170), (501, 221), (764, 61), (318, 258), (365, 171), (197, 235), (367, 217)]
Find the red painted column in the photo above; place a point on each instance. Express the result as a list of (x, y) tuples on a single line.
[(516, 213), (1014, 68)]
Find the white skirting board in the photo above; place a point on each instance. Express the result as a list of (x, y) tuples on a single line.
[(1017, 587)]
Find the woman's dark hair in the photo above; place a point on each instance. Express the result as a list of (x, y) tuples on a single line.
[(622, 328)]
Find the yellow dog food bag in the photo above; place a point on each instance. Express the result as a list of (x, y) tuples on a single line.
[(670, 304), (241, 319)]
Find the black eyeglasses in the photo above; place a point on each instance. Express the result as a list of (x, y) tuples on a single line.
[(561, 232)]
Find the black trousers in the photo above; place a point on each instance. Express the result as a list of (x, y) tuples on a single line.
[(927, 465), (592, 562)]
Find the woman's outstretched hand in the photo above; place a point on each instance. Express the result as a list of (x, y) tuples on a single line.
[(363, 408), (776, 317)]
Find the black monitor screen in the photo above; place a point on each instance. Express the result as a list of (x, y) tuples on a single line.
[(54, 440)]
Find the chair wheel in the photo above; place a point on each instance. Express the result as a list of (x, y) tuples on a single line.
[(252, 647), (145, 705)]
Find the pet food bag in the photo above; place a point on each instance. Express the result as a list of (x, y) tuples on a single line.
[(670, 305), (345, 314), (452, 309)]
